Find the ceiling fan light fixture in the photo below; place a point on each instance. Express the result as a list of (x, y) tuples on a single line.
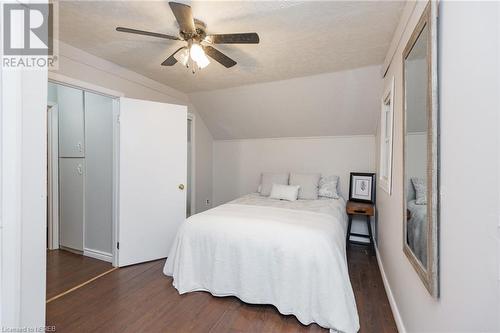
[(193, 32), (198, 55), (196, 51)]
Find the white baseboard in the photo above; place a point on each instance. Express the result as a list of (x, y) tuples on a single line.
[(395, 311), (96, 254)]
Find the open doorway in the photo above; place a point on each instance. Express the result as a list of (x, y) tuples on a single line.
[(80, 196)]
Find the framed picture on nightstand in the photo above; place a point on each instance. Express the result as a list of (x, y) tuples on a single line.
[(362, 187)]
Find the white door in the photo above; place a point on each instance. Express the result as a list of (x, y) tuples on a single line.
[(71, 122), (153, 162), (98, 173), (71, 201)]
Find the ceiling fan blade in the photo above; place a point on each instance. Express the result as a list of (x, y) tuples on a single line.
[(146, 33), (219, 56), (170, 61), (240, 38), (184, 16)]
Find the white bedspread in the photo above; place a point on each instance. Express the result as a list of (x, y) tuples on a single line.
[(416, 228), (292, 256)]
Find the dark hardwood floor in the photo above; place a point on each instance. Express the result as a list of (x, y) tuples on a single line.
[(141, 299), (66, 270), (375, 314)]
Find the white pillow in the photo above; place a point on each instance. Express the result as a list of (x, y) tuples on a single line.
[(268, 179), (308, 182), (328, 187), (420, 190), (284, 192)]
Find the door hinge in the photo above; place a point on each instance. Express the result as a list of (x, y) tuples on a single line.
[(118, 245)]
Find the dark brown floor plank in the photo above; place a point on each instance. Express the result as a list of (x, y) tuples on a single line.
[(66, 270), (103, 301), (141, 299), (374, 311)]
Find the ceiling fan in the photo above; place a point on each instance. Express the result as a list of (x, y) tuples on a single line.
[(199, 43)]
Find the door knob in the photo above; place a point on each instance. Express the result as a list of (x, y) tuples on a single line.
[(181, 186)]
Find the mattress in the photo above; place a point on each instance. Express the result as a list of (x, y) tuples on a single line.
[(265, 251)]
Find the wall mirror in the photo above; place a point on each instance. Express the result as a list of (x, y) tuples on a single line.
[(420, 126)]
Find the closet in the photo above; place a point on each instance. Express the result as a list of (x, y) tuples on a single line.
[(121, 169), (85, 162)]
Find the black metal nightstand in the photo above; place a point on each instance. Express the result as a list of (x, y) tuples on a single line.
[(364, 209)]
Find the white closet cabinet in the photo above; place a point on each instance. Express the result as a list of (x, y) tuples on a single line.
[(71, 196), (71, 122), (99, 173), (71, 167), (152, 159)]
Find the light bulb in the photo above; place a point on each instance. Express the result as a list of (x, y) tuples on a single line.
[(196, 52), (203, 61), (183, 56)]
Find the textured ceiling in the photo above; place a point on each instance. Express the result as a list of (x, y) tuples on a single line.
[(297, 38)]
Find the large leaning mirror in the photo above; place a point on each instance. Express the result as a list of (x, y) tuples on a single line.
[(420, 126)]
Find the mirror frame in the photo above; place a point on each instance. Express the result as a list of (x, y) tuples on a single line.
[(430, 273)]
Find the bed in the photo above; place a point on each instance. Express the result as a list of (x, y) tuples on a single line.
[(416, 225), (267, 251), (417, 230)]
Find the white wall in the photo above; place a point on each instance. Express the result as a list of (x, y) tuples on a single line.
[(416, 158), (416, 101), (330, 104), (238, 164), (23, 197), (469, 219), (23, 190), (79, 65)]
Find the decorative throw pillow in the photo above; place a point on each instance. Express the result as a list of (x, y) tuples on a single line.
[(284, 192), (328, 187), (308, 182), (420, 190), (268, 179)]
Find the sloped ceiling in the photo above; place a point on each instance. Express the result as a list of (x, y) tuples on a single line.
[(298, 38), (340, 103)]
